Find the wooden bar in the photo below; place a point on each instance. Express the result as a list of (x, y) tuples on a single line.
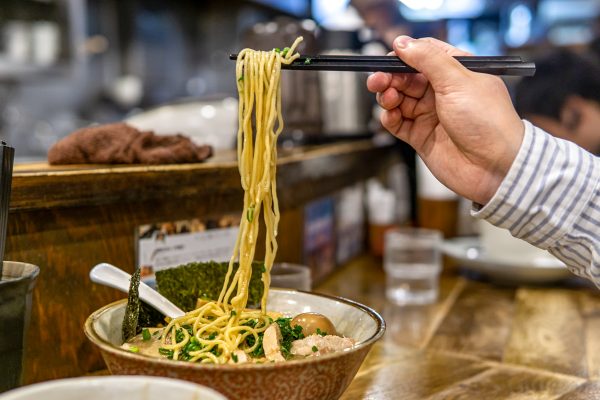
[(488, 342)]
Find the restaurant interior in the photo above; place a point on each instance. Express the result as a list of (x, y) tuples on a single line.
[(436, 303)]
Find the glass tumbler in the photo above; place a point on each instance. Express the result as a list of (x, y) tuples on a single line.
[(412, 262)]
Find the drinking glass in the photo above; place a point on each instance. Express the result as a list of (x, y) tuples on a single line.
[(412, 262)]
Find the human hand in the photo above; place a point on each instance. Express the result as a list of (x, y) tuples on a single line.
[(461, 123)]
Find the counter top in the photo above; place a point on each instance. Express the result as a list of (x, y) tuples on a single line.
[(41, 186), (479, 341)]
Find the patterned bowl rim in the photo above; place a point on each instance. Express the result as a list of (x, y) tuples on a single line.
[(117, 351)]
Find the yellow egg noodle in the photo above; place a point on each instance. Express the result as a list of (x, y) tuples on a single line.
[(222, 327)]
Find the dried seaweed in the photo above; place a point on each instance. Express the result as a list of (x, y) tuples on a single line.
[(138, 314), (132, 311), (185, 284)]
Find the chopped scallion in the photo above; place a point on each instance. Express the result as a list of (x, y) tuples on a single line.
[(250, 214), (134, 349), (315, 349), (146, 334)]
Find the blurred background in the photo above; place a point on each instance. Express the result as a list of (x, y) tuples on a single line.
[(68, 63)]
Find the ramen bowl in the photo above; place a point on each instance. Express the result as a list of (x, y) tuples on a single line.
[(324, 377)]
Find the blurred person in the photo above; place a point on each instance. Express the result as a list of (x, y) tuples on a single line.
[(563, 98), (383, 16), (463, 125)]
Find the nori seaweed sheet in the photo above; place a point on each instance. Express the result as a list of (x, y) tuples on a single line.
[(137, 313), (185, 284), (132, 311)]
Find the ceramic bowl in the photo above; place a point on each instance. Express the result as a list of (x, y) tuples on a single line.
[(115, 388), (325, 377)]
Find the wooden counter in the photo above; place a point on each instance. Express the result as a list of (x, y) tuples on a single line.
[(68, 219), (478, 341)]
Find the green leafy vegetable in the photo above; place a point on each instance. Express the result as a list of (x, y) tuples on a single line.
[(146, 334), (258, 351), (192, 345), (165, 352), (288, 335)]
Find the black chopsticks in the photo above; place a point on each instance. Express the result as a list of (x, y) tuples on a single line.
[(7, 155), (495, 65)]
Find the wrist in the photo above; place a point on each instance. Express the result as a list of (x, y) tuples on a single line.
[(502, 161)]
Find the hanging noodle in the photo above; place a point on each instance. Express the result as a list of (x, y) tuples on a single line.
[(224, 326)]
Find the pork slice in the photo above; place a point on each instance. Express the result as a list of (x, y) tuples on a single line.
[(315, 345)]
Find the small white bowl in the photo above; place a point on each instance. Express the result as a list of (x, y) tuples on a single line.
[(113, 388)]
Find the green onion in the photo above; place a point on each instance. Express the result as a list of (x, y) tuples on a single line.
[(285, 51), (146, 334), (321, 333), (307, 61), (165, 352), (263, 269), (241, 78), (277, 50), (233, 313), (315, 349), (250, 214), (212, 336), (234, 357), (134, 349)]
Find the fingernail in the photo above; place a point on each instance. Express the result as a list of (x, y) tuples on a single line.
[(402, 42)]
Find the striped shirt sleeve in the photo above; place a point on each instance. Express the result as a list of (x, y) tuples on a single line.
[(551, 198)]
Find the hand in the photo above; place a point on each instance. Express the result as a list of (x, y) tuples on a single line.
[(461, 123)]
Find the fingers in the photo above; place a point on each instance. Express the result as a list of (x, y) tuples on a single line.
[(379, 82), (432, 59), (390, 98)]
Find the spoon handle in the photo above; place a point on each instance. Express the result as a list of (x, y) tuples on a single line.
[(109, 275)]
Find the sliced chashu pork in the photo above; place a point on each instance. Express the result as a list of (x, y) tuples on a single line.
[(272, 343), (315, 345)]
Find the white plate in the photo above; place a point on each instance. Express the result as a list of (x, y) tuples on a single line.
[(113, 388), (469, 253)]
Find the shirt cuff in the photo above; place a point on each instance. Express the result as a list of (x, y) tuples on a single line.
[(545, 189)]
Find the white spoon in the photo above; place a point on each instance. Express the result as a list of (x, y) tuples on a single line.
[(114, 277)]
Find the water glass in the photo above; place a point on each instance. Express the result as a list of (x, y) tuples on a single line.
[(291, 276), (412, 262)]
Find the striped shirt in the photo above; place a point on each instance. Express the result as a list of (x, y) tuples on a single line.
[(551, 198)]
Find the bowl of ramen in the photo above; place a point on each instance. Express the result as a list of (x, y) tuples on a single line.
[(242, 339), (319, 366)]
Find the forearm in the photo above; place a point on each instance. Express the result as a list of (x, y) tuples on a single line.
[(551, 198)]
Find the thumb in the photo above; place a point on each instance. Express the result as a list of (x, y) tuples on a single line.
[(432, 60)]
